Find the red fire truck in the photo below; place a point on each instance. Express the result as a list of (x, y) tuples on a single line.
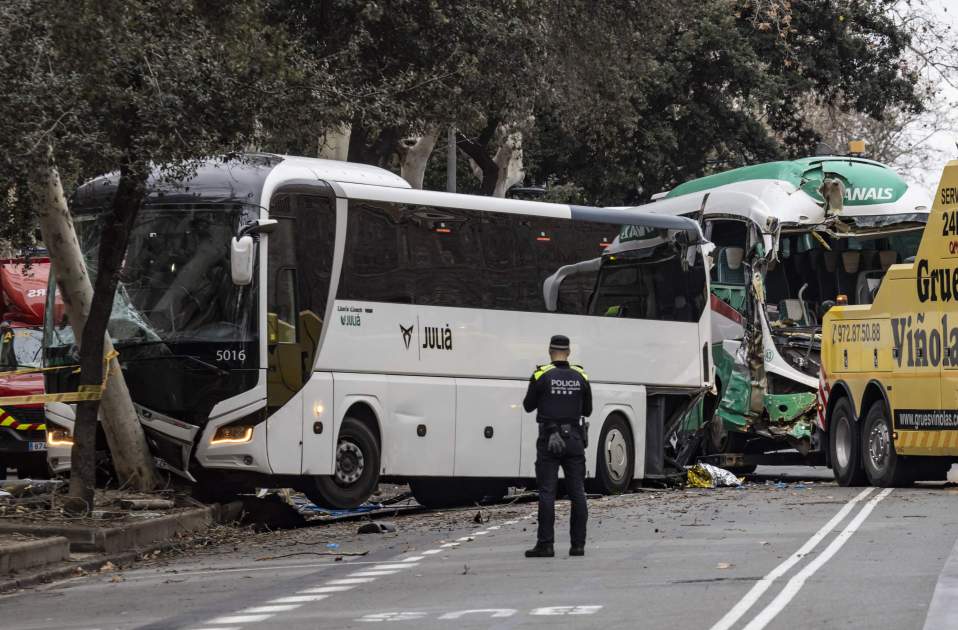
[(22, 427)]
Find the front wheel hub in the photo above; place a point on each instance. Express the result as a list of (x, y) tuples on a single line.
[(350, 463)]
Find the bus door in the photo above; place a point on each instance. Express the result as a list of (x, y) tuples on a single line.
[(299, 260)]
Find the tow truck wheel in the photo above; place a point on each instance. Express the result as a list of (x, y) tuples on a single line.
[(883, 465), (357, 469), (844, 446), (615, 460)]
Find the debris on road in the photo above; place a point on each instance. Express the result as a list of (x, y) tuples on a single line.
[(709, 476), (377, 527)]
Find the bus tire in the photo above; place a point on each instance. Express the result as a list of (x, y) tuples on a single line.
[(615, 459), (884, 467), (357, 469), (844, 446)]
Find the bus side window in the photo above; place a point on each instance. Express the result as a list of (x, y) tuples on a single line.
[(281, 283), (283, 310)]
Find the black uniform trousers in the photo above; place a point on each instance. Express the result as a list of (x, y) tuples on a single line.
[(547, 478)]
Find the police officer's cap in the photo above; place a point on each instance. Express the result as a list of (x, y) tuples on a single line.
[(559, 342)]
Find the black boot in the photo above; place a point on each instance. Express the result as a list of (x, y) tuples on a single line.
[(541, 550), (577, 550)]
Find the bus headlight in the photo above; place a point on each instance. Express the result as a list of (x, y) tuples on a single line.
[(59, 437), (233, 434)]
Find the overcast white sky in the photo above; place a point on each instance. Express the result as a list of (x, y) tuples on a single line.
[(943, 142)]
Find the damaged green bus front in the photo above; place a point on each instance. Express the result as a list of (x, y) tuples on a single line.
[(791, 239)]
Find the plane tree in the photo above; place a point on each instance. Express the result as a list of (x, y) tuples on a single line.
[(94, 86)]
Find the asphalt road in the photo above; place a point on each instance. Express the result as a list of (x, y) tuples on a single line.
[(799, 554)]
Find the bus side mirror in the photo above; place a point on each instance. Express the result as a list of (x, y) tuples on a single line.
[(242, 256), (243, 250)]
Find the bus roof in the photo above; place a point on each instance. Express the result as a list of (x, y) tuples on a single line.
[(875, 195), (254, 178)]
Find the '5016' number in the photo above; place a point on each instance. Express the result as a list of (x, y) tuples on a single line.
[(231, 355)]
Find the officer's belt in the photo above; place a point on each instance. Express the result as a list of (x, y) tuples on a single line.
[(544, 420)]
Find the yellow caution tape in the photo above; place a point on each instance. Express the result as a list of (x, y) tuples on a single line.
[(83, 393), (75, 368), (86, 392)]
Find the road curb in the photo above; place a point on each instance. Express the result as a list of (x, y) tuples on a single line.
[(127, 536), (121, 544), (29, 554)]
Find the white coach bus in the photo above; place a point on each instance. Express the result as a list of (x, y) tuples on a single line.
[(296, 322)]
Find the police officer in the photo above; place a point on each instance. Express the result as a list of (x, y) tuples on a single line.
[(561, 395)]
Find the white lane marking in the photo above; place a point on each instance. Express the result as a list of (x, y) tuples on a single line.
[(270, 608), (448, 545), (350, 581), (431, 552), (753, 595), (239, 619), (210, 628), (392, 616), (297, 599), (325, 589), (510, 522), (413, 559), (794, 585), (566, 610), (387, 567), (479, 533), (373, 573), (465, 539), (494, 528), (271, 567), (943, 609), (494, 613)]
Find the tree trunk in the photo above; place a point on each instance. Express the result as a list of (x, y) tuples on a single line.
[(509, 160), (414, 153), (334, 144), (368, 146), (489, 170), (131, 456)]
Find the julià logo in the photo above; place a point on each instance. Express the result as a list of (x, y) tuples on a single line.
[(437, 338), (406, 335)]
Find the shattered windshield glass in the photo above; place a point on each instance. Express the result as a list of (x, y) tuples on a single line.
[(175, 284), (20, 348)]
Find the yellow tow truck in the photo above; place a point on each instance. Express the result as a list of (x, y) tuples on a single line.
[(888, 389)]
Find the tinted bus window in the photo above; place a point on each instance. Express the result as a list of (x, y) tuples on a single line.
[(651, 284), (472, 259)]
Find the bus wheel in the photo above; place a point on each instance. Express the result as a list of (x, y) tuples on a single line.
[(882, 464), (615, 462), (357, 469), (844, 446)]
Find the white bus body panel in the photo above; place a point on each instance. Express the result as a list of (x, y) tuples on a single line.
[(319, 406), (494, 403), (509, 344), (480, 381)]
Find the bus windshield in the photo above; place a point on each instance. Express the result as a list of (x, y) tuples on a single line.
[(175, 284), (186, 334)]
